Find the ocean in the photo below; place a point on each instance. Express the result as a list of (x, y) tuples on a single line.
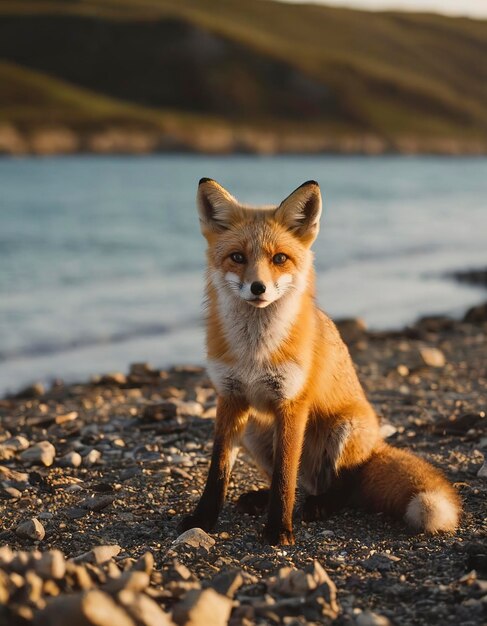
[(102, 261)]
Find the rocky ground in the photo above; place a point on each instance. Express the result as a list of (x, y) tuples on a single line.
[(95, 477)]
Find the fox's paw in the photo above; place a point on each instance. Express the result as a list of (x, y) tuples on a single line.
[(278, 536), (253, 502), (195, 521)]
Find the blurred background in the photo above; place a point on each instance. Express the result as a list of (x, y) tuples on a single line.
[(111, 110)]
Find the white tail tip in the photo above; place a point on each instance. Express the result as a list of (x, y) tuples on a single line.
[(432, 512)]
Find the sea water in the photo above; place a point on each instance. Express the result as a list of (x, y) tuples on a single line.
[(102, 261)]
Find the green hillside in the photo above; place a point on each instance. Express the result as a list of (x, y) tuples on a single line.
[(224, 71)]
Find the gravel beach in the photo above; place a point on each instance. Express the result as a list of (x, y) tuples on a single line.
[(95, 477)]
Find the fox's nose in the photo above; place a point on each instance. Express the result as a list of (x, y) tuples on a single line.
[(257, 288)]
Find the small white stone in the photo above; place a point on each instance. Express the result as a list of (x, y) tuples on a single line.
[(482, 473)]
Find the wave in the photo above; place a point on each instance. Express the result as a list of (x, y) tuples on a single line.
[(40, 349)]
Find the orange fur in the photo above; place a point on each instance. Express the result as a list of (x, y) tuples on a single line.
[(288, 390)]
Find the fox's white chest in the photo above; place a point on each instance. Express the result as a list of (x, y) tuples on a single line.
[(259, 383)]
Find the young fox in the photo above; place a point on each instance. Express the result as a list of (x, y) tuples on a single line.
[(287, 389)]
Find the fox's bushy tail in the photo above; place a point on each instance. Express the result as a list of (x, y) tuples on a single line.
[(403, 485)]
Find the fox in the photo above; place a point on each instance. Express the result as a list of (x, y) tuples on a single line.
[(287, 389)]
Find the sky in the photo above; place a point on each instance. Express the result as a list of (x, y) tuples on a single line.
[(470, 8)]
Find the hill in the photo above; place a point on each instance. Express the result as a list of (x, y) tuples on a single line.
[(218, 75)]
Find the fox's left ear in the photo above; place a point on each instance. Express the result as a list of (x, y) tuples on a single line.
[(300, 211)]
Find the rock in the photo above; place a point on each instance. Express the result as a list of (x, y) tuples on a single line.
[(142, 369), (17, 444), (202, 608), (71, 459), (97, 503), (351, 329), (477, 314), (195, 538), (41, 453), (98, 554), (52, 564), (143, 609), (189, 408), (162, 411), (31, 529), (113, 378), (432, 356), (66, 417), (145, 563), (387, 430), (380, 561), (291, 582), (31, 391), (227, 583), (91, 608), (367, 618), (482, 473), (132, 581), (92, 457)]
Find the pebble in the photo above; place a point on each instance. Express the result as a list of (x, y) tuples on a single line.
[(97, 503), (98, 554), (432, 356), (143, 609), (482, 473), (31, 529), (51, 565), (387, 430), (71, 459), (92, 457), (17, 444), (368, 618), (40, 453), (131, 580), (227, 583), (84, 609), (381, 561), (202, 608), (145, 563), (195, 538)]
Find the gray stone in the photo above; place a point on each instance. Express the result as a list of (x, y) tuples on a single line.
[(202, 608), (145, 563), (51, 565), (132, 581), (41, 453), (227, 583), (84, 609), (195, 538), (482, 473), (143, 609), (71, 459), (31, 529), (368, 618), (98, 554)]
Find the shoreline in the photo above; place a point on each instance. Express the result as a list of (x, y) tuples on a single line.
[(96, 476), (59, 139)]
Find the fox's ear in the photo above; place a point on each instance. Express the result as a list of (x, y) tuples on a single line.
[(215, 206), (300, 211)]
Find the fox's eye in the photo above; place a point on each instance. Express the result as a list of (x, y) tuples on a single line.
[(237, 257), (279, 258)]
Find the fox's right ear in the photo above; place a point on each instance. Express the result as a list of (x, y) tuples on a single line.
[(215, 206)]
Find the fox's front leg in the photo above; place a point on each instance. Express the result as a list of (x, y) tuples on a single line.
[(231, 416), (289, 435)]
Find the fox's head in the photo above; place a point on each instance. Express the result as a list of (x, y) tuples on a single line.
[(259, 254)]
